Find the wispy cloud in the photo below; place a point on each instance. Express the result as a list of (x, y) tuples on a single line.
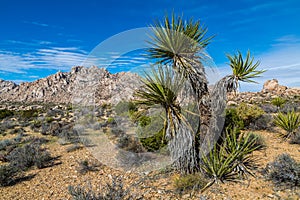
[(36, 23), (63, 58)]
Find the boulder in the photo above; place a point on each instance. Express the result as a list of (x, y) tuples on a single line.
[(273, 86)]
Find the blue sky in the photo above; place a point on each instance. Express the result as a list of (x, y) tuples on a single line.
[(39, 38)]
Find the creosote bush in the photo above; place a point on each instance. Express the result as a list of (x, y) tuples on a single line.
[(248, 113)]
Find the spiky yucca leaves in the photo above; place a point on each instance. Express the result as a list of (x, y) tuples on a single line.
[(180, 44), (278, 102), (230, 160), (162, 87), (288, 122), (243, 69), (245, 145)]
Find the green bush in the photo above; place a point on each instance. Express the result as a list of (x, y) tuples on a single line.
[(111, 120), (249, 113), (190, 182), (284, 171), (28, 114), (5, 113), (144, 121), (124, 107), (232, 119), (155, 142)]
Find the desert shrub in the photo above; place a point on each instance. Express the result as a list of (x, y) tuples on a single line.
[(268, 108), (289, 107), (190, 182), (36, 124), (288, 122), (117, 132), (111, 191), (248, 113), (5, 143), (263, 122), (232, 119), (49, 119), (295, 139), (4, 113), (284, 171), (111, 121), (129, 143), (28, 114), (17, 131), (84, 167), (28, 155), (144, 121), (124, 107), (7, 174), (278, 102), (155, 142), (258, 141)]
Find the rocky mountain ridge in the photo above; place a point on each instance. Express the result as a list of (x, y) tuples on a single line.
[(97, 86), (86, 84)]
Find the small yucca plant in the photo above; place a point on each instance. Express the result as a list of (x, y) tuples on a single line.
[(288, 122), (230, 160), (278, 102)]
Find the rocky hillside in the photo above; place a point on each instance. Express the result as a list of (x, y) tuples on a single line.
[(83, 84), (271, 89), (96, 85)]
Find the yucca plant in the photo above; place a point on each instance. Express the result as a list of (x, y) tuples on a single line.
[(180, 44), (243, 70), (177, 45), (162, 87), (278, 102), (230, 160), (288, 122), (244, 144)]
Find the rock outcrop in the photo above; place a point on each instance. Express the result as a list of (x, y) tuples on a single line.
[(271, 89), (90, 85), (273, 86)]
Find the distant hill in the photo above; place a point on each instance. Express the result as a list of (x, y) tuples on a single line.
[(80, 84)]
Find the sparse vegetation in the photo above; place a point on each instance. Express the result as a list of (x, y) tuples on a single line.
[(188, 182), (249, 113), (284, 171), (112, 191), (7, 174), (28, 155)]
